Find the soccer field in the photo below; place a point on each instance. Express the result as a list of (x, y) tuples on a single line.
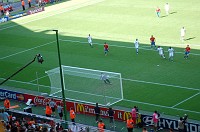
[(150, 82)]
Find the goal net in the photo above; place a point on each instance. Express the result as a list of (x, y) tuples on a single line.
[(87, 85)]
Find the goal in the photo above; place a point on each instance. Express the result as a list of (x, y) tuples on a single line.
[(87, 85)]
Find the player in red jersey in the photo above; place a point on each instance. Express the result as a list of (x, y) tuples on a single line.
[(152, 41), (106, 50), (158, 11), (187, 52)]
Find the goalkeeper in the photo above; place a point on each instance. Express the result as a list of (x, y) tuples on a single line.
[(105, 78)]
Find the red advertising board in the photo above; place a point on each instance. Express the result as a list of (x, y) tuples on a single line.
[(42, 101), (89, 109)]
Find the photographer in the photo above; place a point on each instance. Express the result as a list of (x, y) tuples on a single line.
[(185, 121), (40, 58)]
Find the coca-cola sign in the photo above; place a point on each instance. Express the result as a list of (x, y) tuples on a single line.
[(40, 100)]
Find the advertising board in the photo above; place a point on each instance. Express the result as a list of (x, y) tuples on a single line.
[(4, 19), (88, 109)]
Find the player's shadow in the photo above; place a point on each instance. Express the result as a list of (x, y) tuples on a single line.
[(164, 16), (173, 12), (190, 38), (169, 13)]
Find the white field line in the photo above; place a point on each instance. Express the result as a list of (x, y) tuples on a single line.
[(126, 99), (38, 78), (161, 106), (141, 81), (185, 100), (60, 11), (5, 57), (26, 83), (114, 38), (92, 94), (73, 41), (128, 47), (161, 84), (55, 93)]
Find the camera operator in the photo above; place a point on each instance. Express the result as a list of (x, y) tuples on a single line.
[(40, 58), (185, 121)]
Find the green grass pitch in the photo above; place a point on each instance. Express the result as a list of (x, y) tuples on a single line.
[(172, 87)]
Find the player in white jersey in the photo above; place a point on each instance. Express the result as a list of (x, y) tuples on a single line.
[(161, 52), (182, 34), (171, 54), (90, 40), (136, 45), (167, 9), (105, 78)]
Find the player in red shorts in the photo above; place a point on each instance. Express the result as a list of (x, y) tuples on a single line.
[(152, 41), (187, 52), (158, 11)]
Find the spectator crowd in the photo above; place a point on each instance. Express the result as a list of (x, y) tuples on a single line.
[(13, 123)]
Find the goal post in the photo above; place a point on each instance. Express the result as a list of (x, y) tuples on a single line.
[(87, 85)]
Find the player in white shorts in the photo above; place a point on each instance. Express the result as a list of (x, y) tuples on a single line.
[(90, 40), (171, 54), (161, 52), (136, 45), (167, 9), (182, 34)]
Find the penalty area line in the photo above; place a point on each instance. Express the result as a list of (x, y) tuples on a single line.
[(128, 47), (196, 112), (85, 43), (5, 57), (161, 84), (186, 100)]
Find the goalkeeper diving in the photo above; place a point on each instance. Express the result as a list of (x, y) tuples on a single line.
[(105, 78)]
